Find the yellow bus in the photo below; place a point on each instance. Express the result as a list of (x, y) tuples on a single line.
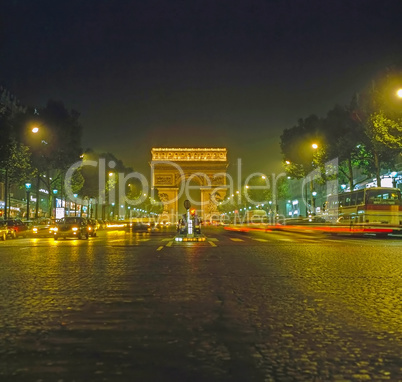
[(375, 209)]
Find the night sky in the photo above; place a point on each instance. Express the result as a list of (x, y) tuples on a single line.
[(195, 73)]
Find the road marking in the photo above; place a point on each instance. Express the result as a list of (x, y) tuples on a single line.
[(143, 239), (212, 243), (169, 244), (159, 248), (236, 239), (167, 239)]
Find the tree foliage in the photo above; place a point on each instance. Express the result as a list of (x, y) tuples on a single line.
[(366, 134)]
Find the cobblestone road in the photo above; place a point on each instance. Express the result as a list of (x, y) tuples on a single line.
[(258, 307)]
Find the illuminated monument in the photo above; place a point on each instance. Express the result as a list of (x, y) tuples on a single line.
[(175, 170)]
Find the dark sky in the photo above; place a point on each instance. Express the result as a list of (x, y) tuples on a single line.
[(195, 73)]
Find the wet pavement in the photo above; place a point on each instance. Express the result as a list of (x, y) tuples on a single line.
[(272, 306)]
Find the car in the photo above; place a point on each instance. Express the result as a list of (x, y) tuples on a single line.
[(71, 226), (43, 228), (16, 228), (92, 227), (101, 224), (138, 227), (3, 230)]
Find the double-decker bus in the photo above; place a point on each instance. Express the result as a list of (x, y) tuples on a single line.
[(376, 209)]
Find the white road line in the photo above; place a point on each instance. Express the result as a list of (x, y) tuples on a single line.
[(169, 244), (159, 248), (212, 243), (262, 240), (236, 239)]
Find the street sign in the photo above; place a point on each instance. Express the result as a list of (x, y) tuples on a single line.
[(187, 204)]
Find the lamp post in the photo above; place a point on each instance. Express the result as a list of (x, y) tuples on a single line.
[(314, 146), (55, 191), (75, 204), (314, 194), (394, 173), (28, 190), (89, 210)]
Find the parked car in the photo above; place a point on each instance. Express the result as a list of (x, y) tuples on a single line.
[(92, 227), (3, 230), (101, 224), (16, 228), (43, 228), (71, 226)]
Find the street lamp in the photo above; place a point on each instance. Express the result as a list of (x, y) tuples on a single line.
[(314, 194), (399, 93), (28, 190), (55, 191), (75, 204), (311, 182), (394, 174)]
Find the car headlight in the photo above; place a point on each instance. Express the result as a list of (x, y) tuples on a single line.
[(89, 228), (55, 229), (75, 228), (35, 230)]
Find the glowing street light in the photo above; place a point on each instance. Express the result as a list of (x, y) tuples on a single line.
[(55, 191), (28, 190), (35, 130), (393, 176), (314, 146), (75, 204), (399, 93)]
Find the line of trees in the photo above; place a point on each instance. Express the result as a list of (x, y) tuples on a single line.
[(366, 134), (43, 156), (257, 192)]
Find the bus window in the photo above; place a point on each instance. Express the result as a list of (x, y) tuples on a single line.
[(360, 197), (383, 197), (341, 201), (347, 200)]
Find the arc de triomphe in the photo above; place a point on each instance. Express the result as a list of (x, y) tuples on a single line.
[(173, 169)]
